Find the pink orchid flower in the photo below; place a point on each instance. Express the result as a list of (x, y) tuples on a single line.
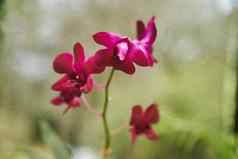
[(121, 53), (141, 122), (77, 77), (117, 53), (143, 44)]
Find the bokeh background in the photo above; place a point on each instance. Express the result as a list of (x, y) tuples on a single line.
[(194, 83)]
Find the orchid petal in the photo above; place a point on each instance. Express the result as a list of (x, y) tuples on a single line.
[(122, 49), (88, 85), (63, 63), (107, 39), (75, 102), (57, 101), (98, 62), (142, 54), (133, 135), (136, 115), (78, 53), (152, 114), (104, 57), (126, 66), (140, 28), (140, 57), (92, 67), (151, 134), (150, 32), (58, 85)]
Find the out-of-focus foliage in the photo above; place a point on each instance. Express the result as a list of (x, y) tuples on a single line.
[(51, 139), (2, 8), (194, 82)]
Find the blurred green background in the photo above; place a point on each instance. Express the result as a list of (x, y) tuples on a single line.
[(194, 82)]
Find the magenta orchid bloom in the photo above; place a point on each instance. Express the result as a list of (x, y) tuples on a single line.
[(77, 77), (141, 122), (117, 53), (121, 53), (143, 44)]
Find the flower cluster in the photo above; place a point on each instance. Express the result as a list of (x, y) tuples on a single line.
[(120, 53)]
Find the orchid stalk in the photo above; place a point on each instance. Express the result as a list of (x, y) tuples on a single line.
[(107, 143)]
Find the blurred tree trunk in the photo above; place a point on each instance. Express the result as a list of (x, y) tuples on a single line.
[(235, 126), (232, 21), (2, 15), (236, 97)]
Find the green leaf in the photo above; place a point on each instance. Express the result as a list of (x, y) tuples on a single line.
[(49, 137)]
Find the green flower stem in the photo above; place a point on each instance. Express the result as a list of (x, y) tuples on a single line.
[(104, 114)]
